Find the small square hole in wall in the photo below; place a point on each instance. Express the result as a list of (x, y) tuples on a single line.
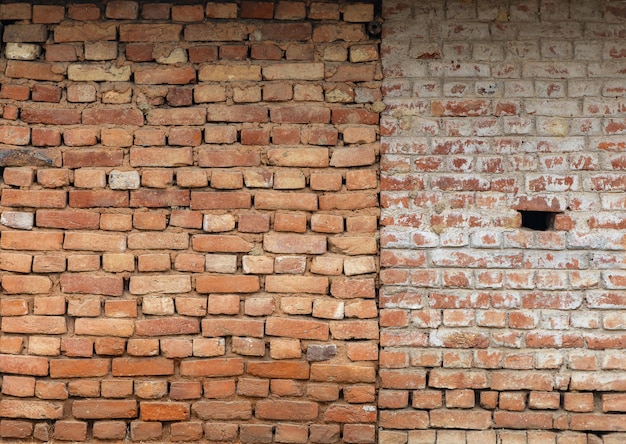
[(538, 220)]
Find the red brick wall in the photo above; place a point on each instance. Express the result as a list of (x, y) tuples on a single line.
[(189, 206), (491, 332)]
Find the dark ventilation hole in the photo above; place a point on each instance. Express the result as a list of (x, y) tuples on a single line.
[(538, 220)]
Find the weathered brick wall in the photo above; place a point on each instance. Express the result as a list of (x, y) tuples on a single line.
[(189, 205), (492, 332)]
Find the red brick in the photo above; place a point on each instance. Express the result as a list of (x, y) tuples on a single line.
[(94, 241), (34, 198), (98, 198), (166, 75), (212, 367), (106, 285), (12, 408), (40, 241), (34, 71), (297, 328), (164, 411), (104, 327), (139, 52), (266, 51), (202, 54), (350, 414), (122, 10), (61, 53), (142, 367), (155, 11), (286, 410), (221, 10), (145, 430), (104, 409), (23, 365), (46, 93), (169, 326), (15, 429), (93, 158), (227, 158), (79, 368), (13, 284), (232, 327), (182, 116), (237, 113), (279, 370), (222, 410), (109, 429), (233, 52), (15, 92), (150, 32), (201, 200), (227, 284), (119, 116), (15, 135)]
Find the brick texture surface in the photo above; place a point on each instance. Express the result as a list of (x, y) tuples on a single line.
[(492, 331), (189, 211), (253, 221)]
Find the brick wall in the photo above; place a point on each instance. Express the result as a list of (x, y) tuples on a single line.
[(492, 332), (189, 210)]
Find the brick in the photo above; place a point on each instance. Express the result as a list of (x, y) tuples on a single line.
[(233, 327), (23, 365), (164, 241), (220, 32), (169, 326), (237, 113), (20, 240), (15, 429), (79, 368), (286, 410), (109, 429), (159, 284), (227, 284), (294, 157), (93, 158), (142, 367), (98, 73), (167, 75), (112, 117), (190, 116), (150, 32), (284, 31), (294, 71), (122, 10), (13, 408), (227, 158), (35, 199), (106, 285), (105, 327), (61, 53), (104, 409), (26, 284), (15, 92), (296, 284), (294, 328), (268, 200), (32, 70), (46, 93), (164, 411)]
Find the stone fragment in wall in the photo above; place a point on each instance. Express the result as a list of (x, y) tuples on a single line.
[(124, 180), (17, 219), (321, 352), (22, 51)]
